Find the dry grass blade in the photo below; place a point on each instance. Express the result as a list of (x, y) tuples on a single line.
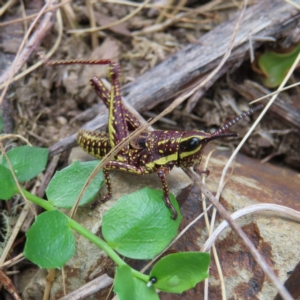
[(14, 234), (49, 279), (95, 42), (210, 227), (222, 211), (94, 29), (20, 59), (13, 261), (172, 20), (14, 136), (221, 183), (35, 39), (154, 5), (29, 17), (296, 62), (90, 288), (275, 93), (6, 6), (9, 286), (294, 214)]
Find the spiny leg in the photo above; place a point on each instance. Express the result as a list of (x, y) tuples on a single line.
[(101, 90), (117, 127), (108, 194), (104, 94), (116, 165), (161, 173)]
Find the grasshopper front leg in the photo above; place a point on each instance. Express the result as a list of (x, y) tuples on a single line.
[(161, 173), (108, 194), (116, 165)]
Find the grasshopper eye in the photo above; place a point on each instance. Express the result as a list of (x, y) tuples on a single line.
[(190, 144)]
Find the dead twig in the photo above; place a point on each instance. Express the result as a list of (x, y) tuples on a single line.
[(222, 211)]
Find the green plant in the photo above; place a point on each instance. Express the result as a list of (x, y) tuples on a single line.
[(53, 230), (274, 65)]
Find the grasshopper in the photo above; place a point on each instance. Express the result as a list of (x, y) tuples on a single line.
[(155, 151)]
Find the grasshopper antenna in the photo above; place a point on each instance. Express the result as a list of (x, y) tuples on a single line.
[(221, 131)]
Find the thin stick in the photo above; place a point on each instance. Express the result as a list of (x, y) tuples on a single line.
[(275, 93), (29, 17), (238, 148), (5, 76), (250, 210), (40, 32), (259, 259), (127, 17), (14, 234)]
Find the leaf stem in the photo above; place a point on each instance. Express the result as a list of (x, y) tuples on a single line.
[(37, 200), (86, 233)]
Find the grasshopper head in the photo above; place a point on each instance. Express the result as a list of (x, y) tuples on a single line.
[(192, 144)]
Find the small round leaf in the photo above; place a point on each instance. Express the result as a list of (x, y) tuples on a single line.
[(27, 161), (128, 287), (178, 272), (66, 185), (139, 225), (50, 241), (7, 184)]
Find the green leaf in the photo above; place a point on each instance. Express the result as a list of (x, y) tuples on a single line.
[(7, 184), (27, 162), (128, 287), (139, 225), (178, 272), (65, 186), (50, 241), (276, 65)]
